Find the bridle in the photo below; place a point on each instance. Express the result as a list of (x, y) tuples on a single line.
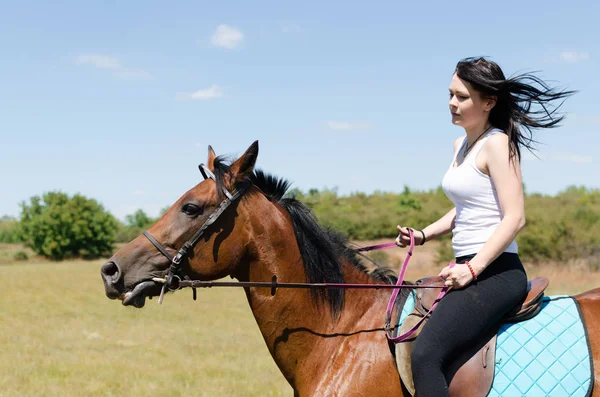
[(175, 274), (176, 279)]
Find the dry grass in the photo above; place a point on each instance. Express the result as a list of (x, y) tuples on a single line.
[(60, 335), (8, 252)]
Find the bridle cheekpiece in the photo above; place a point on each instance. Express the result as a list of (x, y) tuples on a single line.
[(175, 273)]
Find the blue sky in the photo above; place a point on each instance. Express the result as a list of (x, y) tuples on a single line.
[(119, 100)]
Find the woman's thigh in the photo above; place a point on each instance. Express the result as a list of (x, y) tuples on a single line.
[(465, 314)]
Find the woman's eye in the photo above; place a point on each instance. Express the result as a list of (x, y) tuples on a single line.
[(191, 209), (459, 97)]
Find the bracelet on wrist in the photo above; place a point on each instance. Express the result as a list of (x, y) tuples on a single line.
[(471, 270), (424, 238)]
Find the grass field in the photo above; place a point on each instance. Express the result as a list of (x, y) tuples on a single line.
[(60, 335)]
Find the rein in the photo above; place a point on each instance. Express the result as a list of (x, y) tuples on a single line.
[(176, 279)]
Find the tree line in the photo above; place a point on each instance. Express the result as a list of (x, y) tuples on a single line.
[(559, 227)]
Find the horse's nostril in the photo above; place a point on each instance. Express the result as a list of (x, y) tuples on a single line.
[(110, 272)]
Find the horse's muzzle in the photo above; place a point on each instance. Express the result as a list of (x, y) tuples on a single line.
[(113, 282)]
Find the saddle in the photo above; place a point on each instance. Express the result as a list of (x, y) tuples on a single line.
[(472, 373)]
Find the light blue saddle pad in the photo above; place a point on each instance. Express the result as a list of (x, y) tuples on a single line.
[(547, 355)]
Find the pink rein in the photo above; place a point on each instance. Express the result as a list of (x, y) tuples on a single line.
[(392, 301)]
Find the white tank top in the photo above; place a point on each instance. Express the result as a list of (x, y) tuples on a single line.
[(473, 193)]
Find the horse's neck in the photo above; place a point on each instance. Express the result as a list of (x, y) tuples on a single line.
[(300, 334)]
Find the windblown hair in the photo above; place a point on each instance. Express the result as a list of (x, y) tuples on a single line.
[(322, 250), (523, 102)]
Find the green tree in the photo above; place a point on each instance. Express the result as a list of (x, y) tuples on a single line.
[(135, 224), (58, 226), (138, 219)]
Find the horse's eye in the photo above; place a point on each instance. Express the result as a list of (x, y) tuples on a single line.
[(191, 209)]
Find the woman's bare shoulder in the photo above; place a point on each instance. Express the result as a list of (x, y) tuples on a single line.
[(497, 144)]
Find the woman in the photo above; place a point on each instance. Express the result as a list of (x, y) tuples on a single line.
[(484, 183)]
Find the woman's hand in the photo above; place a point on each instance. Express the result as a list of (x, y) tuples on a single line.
[(458, 276), (403, 238)]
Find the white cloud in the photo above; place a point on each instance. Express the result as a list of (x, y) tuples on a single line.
[(346, 125), (567, 157), (111, 63), (574, 56), (99, 61), (226, 37), (212, 92), (139, 192)]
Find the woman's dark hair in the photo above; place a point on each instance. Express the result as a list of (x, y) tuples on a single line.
[(513, 112)]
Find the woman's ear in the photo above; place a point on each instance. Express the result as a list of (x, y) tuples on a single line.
[(490, 102)]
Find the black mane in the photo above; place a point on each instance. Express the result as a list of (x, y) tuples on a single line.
[(322, 249)]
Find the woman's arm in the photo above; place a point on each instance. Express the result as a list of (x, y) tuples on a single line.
[(442, 226), (438, 228), (445, 224)]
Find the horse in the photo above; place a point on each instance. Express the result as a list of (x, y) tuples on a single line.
[(325, 342)]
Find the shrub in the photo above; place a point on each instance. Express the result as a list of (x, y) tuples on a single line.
[(58, 226), (21, 256), (9, 230)]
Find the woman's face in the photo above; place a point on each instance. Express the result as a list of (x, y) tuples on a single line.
[(469, 110)]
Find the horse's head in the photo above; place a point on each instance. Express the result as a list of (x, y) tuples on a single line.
[(202, 222)]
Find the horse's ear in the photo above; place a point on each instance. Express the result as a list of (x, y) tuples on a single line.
[(210, 163), (244, 166)]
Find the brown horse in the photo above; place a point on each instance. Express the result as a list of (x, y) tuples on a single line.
[(326, 343)]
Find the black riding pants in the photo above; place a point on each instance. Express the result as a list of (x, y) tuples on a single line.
[(461, 317)]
